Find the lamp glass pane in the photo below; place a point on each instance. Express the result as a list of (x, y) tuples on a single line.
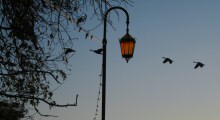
[(127, 48)]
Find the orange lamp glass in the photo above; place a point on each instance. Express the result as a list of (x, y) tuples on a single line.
[(127, 44)]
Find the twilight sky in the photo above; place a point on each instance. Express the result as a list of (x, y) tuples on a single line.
[(145, 88)]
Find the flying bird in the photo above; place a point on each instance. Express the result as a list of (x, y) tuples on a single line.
[(198, 64), (98, 51), (167, 60), (69, 50)]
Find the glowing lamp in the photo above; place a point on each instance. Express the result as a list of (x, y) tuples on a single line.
[(127, 44)]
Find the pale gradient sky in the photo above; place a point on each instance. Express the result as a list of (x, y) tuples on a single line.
[(146, 89)]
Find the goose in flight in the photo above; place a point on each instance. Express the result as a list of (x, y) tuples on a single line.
[(69, 50), (167, 60), (198, 64), (98, 51)]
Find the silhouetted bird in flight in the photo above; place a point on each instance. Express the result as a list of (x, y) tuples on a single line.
[(167, 60), (69, 50), (198, 64), (98, 51)]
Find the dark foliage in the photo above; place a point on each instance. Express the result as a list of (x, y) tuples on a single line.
[(11, 111), (30, 30)]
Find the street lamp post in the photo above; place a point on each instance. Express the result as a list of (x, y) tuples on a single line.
[(127, 44)]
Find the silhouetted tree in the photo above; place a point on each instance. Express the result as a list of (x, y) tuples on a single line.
[(11, 110), (30, 30)]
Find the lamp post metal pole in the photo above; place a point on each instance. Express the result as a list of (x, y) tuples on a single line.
[(104, 43)]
